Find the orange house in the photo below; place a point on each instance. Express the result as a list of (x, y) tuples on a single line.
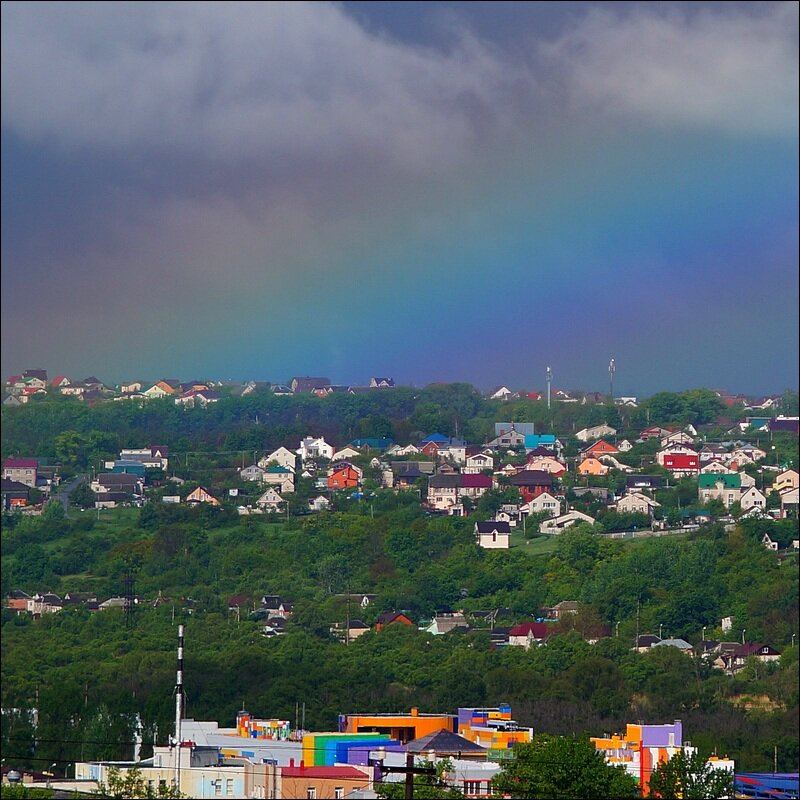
[(600, 448), (403, 727), (200, 495), (591, 466), (343, 478), (390, 618)]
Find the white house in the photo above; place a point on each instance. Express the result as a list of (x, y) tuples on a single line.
[(624, 446), (493, 535), (558, 524), (478, 463), (501, 393), (345, 453), (788, 479), (753, 498), (270, 500), (311, 448), (716, 468), (320, 503), (597, 432), (282, 456), (635, 503), (544, 503), (252, 473)]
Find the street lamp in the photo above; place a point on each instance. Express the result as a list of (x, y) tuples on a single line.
[(743, 633), (660, 629), (617, 629), (704, 632)]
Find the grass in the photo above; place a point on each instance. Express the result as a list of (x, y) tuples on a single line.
[(538, 545)]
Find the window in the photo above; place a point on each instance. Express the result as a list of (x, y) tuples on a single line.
[(311, 793), (229, 787), (217, 787), (338, 793)]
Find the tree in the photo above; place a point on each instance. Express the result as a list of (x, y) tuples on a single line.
[(562, 767), (690, 777), (131, 784)]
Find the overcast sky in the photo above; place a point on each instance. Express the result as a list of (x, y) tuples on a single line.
[(433, 191)]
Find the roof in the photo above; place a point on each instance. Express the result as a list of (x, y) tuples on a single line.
[(728, 480), (476, 481), (443, 742), (492, 525), (307, 384), (539, 630), (681, 644), (20, 463), (323, 772), (14, 486), (445, 481), (389, 616), (436, 437), (532, 477)]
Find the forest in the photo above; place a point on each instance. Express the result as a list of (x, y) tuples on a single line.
[(75, 684)]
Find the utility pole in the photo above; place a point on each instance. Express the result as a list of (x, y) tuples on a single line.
[(409, 770), (549, 377), (178, 709), (409, 776)]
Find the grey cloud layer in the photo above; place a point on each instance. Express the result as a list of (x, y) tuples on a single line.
[(240, 80), (730, 71)]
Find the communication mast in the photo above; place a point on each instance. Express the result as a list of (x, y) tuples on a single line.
[(178, 709), (612, 368), (549, 374)]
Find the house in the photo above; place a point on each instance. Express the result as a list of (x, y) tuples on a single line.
[(407, 450), (543, 503), (313, 448), (443, 491), (14, 494), (625, 446), (277, 606), (446, 621), (545, 463), (592, 466), (679, 644), (564, 608), (313, 782), (23, 470), (12, 400), (320, 503), (654, 432), (344, 476), (789, 502), (716, 468), (252, 473), (734, 658), (782, 423), (678, 437), (282, 457), (369, 443), (528, 634), (628, 401), (746, 454), (391, 618), (197, 397), (478, 463), (639, 482), (201, 495), (280, 390), (681, 460), (596, 432), (345, 453), (726, 487), (508, 439), (117, 482), (381, 383), (38, 375), (474, 485), (307, 384), (270, 501), (599, 493), (753, 498), (558, 524), (493, 535), (544, 441), (531, 483), (788, 479), (500, 393), (60, 381), (158, 390), (348, 633), (645, 642), (635, 503), (599, 449), (445, 744)]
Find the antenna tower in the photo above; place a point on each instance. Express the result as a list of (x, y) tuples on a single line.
[(549, 375), (612, 368)]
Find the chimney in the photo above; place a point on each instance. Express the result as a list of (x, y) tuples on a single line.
[(415, 712)]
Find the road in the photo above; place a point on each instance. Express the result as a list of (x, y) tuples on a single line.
[(65, 490)]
